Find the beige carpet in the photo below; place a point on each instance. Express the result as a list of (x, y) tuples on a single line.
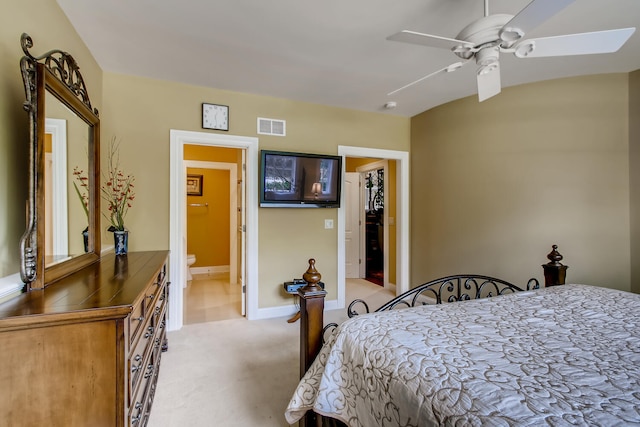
[(237, 372)]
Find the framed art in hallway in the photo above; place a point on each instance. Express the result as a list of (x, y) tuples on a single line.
[(194, 185)]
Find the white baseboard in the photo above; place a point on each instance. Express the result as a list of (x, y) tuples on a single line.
[(210, 270), (10, 287), (288, 310)]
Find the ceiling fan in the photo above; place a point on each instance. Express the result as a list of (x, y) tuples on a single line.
[(485, 38)]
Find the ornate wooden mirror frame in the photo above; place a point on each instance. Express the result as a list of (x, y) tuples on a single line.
[(53, 83)]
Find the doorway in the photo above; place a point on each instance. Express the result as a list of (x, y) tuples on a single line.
[(213, 243), (367, 225), (177, 234), (376, 223), (401, 219)]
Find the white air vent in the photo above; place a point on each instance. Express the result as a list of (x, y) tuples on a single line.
[(272, 127)]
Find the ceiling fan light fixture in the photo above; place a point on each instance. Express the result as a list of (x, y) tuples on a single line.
[(487, 56)]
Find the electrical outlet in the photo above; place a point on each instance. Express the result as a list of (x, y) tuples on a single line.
[(328, 223)]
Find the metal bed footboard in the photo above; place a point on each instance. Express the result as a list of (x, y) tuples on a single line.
[(460, 287)]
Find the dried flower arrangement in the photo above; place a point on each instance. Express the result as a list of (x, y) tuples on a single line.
[(82, 188), (117, 190)]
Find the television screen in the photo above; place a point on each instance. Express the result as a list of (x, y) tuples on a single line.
[(299, 180)]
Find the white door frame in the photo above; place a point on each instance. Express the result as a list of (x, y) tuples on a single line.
[(178, 209), (402, 216), (232, 168)]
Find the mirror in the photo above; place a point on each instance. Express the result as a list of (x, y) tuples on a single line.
[(66, 163), (63, 208)]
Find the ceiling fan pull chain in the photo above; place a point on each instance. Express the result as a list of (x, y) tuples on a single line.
[(486, 7)]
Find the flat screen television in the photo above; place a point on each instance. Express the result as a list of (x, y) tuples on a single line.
[(299, 180)]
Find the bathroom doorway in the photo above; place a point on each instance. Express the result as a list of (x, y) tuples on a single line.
[(248, 251), (214, 191)]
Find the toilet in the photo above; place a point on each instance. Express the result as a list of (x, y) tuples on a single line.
[(191, 259)]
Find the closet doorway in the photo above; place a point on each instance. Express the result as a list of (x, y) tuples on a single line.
[(367, 226), (398, 235)]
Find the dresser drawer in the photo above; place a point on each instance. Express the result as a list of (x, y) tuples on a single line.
[(147, 324), (136, 414), (137, 321), (146, 381), (143, 309), (138, 359)]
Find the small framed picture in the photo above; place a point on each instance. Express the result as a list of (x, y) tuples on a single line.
[(194, 185)]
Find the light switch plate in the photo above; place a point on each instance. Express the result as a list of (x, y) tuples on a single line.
[(328, 223)]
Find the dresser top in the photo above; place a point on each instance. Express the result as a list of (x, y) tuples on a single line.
[(106, 288)]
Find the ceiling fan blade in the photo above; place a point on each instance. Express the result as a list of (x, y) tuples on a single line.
[(574, 44), (448, 69), (534, 14), (489, 81), (413, 37)]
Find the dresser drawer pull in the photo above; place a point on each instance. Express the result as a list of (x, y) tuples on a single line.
[(149, 332), (137, 367), (149, 372), (152, 296), (139, 319), (135, 420)]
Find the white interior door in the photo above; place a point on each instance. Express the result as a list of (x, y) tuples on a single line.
[(352, 225)]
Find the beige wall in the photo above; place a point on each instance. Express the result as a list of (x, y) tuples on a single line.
[(503, 180), (144, 110), (48, 26), (634, 182)]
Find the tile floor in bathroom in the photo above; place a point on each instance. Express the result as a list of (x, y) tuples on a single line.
[(208, 298)]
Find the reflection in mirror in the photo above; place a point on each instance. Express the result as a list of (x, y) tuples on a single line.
[(55, 195), (64, 159), (66, 192)]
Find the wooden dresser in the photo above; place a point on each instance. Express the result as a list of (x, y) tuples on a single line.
[(85, 351)]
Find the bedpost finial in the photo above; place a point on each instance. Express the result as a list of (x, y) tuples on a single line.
[(554, 256), (312, 276)]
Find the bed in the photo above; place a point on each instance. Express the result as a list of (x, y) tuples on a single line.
[(558, 355)]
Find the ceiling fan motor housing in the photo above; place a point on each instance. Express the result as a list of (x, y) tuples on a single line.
[(482, 32)]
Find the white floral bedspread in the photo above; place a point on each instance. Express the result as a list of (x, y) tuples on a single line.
[(566, 355)]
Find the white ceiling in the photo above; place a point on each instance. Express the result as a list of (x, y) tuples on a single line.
[(331, 52)]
